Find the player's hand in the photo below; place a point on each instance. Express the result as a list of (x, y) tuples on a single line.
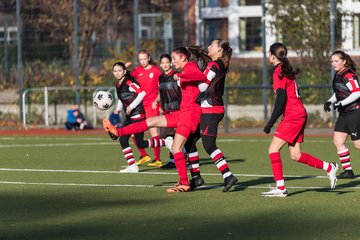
[(267, 129), (327, 106), (337, 105), (128, 110)]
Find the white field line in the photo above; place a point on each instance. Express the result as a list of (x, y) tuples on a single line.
[(146, 173), (116, 143), (154, 186), (142, 173)]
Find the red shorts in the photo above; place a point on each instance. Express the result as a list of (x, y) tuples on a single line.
[(291, 130), (185, 122), (150, 112)]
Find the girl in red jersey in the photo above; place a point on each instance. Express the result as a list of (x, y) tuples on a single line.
[(130, 95), (185, 120), (212, 108), (147, 74), (346, 99), (291, 127)]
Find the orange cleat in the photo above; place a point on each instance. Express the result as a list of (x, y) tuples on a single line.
[(109, 127), (179, 188)]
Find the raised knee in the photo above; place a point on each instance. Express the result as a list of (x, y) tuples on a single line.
[(357, 144)]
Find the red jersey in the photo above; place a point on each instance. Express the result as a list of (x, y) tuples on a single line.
[(294, 107), (189, 78), (149, 82)]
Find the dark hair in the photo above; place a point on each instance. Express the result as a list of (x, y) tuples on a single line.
[(165, 55), (196, 54), (151, 61), (122, 65), (279, 50), (226, 52), (344, 56)]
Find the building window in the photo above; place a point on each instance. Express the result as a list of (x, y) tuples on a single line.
[(250, 34), (215, 3), (249, 2), (214, 29)]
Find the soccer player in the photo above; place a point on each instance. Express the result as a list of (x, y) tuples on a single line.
[(130, 95), (147, 75), (169, 98), (291, 127), (346, 99), (212, 108), (185, 120)]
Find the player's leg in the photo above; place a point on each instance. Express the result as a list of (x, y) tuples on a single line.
[(302, 157), (276, 166), (193, 159), (341, 133), (142, 126), (209, 129), (180, 163), (129, 156)]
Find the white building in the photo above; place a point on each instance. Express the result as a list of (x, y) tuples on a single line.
[(243, 20)]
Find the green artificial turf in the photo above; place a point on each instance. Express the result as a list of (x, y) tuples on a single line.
[(69, 187)]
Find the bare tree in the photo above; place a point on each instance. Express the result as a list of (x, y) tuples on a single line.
[(57, 21)]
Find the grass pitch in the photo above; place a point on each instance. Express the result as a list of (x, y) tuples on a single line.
[(69, 187)]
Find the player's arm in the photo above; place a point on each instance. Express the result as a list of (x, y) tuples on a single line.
[(353, 86), (119, 107), (140, 94), (192, 73), (278, 109), (210, 73)]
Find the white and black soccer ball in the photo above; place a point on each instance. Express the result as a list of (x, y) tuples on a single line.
[(103, 100)]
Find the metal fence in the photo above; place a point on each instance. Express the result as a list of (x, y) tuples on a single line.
[(47, 106)]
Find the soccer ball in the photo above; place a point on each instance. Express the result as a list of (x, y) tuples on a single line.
[(103, 100)]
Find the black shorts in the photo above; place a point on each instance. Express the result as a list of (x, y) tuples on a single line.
[(209, 123), (349, 122)]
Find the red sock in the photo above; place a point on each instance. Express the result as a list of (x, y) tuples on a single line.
[(311, 160), (138, 127), (276, 166), (157, 150), (180, 164), (142, 151)]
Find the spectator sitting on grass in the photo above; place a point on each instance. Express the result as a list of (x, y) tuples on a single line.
[(76, 120)]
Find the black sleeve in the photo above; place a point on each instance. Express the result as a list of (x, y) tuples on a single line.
[(278, 107)]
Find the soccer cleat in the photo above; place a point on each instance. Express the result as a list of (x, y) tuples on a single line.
[(109, 127), (133, 168), (275, 192), (178, 188), (169, 165), (229, 182), (143, 159), (169, 142), (155, 163), (346, 174), (332, 175), (196, 181)]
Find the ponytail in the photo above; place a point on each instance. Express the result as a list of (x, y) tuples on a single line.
[(279, 50)]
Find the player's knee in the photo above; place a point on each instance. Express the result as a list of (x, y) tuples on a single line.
[(295, 156), (208, 144), (124, 141), (339, 143), (141, 143), (357, 144)]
